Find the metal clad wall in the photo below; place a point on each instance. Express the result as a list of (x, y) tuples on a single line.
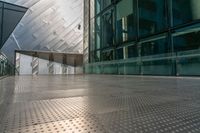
[(48, 26)]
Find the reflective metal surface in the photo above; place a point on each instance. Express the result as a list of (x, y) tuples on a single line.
[(100, 104), (49, 25)]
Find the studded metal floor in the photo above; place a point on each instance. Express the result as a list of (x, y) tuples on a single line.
[(99, 104)]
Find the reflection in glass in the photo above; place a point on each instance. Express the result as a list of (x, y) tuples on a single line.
[(157, 67), (185, 11), (92, 35), (108, 30), (106, 3), (152, 16), (188, 66), (188, 41), (98, 33), (133, 51), (107, 55), (155, 47), (120, 53), (95, 56), (141, 30), (6, 68), (126, 21), (97, 6)]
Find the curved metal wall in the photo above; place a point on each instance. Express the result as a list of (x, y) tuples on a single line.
[(48, 25)]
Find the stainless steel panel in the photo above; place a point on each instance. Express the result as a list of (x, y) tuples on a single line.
[(47, 25)]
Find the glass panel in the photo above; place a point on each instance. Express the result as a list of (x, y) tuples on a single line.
[(98, 56), (126, 21), (95, 56), (6, 68), (98, 5), (132, 68), (98, 33), (108, 30), (91, 57), (120, 53), (133, 51), (92, 37), (150, 55), (10, 21), (97, 69), (185, 11), (187, 41), (155, 47), (88, 68), (107, 55), (152, 16), (106, 3), (1, 67), (158, 67), (188, 66), (110, 69)]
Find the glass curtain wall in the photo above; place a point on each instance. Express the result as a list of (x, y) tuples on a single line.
[(145, 37), (126, 21), (6, 68)]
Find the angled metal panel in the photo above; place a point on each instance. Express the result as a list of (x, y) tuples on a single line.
[(48, 25), (10, 16)]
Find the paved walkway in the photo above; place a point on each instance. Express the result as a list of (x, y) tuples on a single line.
[(99, 104)]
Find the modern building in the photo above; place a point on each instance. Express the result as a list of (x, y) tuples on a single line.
[(10, 16), (143, 37), (99, 66), (54, 27)]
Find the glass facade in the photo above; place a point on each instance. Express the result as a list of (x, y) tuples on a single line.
[(6, 68), (145, 37), (125, 21), (190, 13), (152, 17)]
